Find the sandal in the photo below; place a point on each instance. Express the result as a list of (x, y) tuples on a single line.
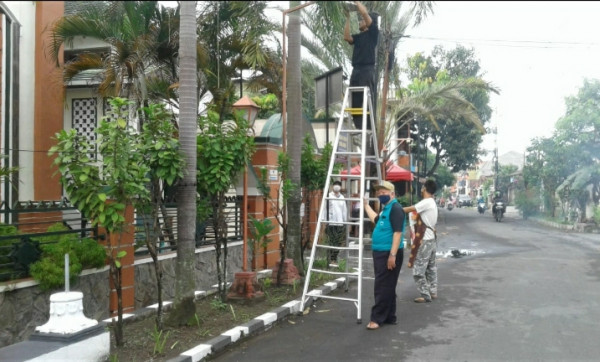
[(422, 300), (372, 326)]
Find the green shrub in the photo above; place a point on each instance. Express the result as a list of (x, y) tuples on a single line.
[(597, 215), (83, 254), (528, 202), (6, 230), (6, 247)]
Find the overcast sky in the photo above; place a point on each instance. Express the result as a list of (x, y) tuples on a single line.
[(537, 53)]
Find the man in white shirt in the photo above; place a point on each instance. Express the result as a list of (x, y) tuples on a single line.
[(338, 214), (424, 268)]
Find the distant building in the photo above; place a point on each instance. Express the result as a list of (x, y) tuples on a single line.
[(471, 182)]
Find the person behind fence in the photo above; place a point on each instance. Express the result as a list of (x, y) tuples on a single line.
[(424, 268), (388, 253), (338, 214)]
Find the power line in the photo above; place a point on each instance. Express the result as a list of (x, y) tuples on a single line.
[(543, 44)]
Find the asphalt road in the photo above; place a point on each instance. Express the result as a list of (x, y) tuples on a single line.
[(519, 292)]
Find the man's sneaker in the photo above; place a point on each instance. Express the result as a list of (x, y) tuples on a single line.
[(433, 295)]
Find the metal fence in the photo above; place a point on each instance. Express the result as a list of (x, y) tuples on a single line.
[(21, 241), (166, 240)]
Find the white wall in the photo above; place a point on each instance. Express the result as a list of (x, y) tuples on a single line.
[(24, 11)]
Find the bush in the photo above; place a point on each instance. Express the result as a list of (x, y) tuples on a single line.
[(528, 202), (83, 254), (596, 216), (6, 248), (6, 230)]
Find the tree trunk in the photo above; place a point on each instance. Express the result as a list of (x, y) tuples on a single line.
[(294, 137), (184, 308), (115, 272)]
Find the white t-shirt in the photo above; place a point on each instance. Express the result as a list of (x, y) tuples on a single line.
[(427, 209), (337, 209)]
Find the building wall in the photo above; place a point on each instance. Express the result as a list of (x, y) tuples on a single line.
[(49, 94), (40, 98), (24, 12)]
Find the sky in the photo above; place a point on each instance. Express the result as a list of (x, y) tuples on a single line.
[(537, 53)]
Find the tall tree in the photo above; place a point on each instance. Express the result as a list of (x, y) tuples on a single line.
[(294, 139), (134, 31), (579, 131), (184, 307), (453, 138)]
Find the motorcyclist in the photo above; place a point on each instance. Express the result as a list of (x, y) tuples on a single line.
[(498, 198), (480, 204)]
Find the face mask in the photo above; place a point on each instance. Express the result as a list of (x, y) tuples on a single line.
[(336, 188), (384, 199)]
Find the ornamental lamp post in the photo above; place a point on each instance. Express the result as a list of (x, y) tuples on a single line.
[(250, 111), (245, 285)]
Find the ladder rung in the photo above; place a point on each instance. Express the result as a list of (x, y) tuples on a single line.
[(354, 247), (327, 296), (354, 131), (354, 274), (355, 111), (356, 238), (354, 177), (348, 153), (340, 223)]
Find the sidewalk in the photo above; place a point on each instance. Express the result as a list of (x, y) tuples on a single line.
[(256, 326)]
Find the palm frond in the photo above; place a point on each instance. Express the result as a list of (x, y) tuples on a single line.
[(442, 101)]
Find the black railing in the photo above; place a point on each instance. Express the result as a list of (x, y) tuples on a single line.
[(21, 241), (166, 240)]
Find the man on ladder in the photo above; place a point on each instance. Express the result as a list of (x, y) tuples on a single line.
[(363, 58)]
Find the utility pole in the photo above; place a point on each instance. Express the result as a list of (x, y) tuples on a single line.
[(496, 158)]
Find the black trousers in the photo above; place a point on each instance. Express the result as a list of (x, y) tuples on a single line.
[(336, 235), (363, 75), (384, 310)]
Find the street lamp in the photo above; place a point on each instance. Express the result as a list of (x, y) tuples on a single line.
[(245, 284), (250, 111)]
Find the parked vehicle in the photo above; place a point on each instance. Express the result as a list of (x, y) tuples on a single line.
[(498, 210), (481, 207), (464, 200)]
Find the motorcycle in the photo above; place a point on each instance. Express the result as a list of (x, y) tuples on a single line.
[(498, 209), (450, 206), (481, 207)]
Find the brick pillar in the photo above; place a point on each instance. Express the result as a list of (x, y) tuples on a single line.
[(266, 156), (123, 241)]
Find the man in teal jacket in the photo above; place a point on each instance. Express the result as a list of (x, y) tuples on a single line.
[(387, 253)]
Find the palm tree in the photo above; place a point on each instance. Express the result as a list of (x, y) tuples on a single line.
[(436, 101), (184, 308), (294, 141), (138, 36), (232, 37)]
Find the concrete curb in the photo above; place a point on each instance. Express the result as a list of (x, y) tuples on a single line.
[(552, 224), (257, 325)]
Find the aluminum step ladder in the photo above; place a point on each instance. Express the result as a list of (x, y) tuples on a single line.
[(349, 144)]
